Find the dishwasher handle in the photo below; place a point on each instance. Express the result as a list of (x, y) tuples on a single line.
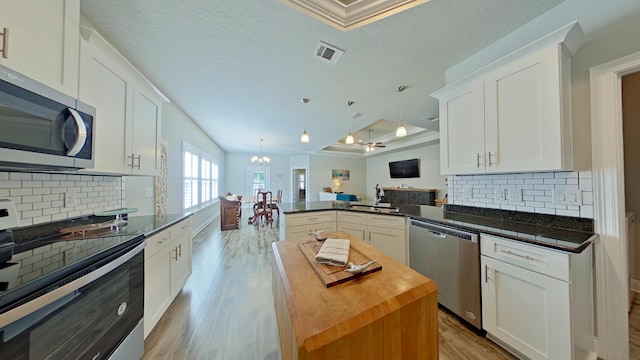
[(443, 231)]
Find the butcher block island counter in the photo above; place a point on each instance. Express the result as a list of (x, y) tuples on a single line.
[(387, 314)]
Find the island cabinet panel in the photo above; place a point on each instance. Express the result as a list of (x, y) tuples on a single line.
[(389, 314)]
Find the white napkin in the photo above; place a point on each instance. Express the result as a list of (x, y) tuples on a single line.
[(334, 252)]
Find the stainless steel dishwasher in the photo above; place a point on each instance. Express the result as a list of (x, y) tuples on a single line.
[(451, 258)]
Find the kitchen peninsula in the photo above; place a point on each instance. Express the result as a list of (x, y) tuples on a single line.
[(389, 314)]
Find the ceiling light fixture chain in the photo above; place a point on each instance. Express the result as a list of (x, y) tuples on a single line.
[(260, 160), (401, 130), (305, 136)]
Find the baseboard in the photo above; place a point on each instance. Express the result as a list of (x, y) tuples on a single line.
[(203, 225), (635, 285)]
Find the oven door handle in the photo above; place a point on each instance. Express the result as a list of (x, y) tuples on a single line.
[(50, 297)]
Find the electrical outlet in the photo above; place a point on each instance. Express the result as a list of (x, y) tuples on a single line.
[(515, 195), (467, 192), (69, 199), (148, 192), (500, 194)]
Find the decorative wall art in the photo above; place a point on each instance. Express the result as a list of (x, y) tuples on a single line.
[(161, 181), (340, 175)]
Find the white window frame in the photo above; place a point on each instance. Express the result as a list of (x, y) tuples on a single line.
[(200, 178)]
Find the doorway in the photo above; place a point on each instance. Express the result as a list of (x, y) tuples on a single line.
[(608, 167), (299, 188)]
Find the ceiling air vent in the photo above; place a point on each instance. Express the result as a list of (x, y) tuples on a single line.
[(356, 115), (328, 53)]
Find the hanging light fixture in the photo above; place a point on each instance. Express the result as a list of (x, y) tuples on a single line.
[(305, 136), (401, 130), (260, 160), (349, 139)]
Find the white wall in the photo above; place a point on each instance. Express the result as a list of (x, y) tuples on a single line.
[(319, 175), (430, 178), (236, 176)]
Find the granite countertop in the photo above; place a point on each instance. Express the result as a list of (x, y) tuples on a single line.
[(557, 232), (150, 224)]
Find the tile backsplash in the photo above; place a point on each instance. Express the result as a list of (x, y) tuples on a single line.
[(40, 198), (555, 193)]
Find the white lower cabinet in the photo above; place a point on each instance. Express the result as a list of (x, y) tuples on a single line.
[(298, 225), (537, 302), (167, 266), (386, 233)]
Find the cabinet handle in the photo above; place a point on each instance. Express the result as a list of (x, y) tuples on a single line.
[(369, 238), (518, 255), (490, 163), (363, 239), (130, 157), (486, 273), (176, 258), (478, 160), (180, 250), (5, 43), (138, 158)]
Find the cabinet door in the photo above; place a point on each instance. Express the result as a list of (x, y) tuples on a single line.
[(180, 263), (526, 310), (145, 145), (157, 290), (302, 231), (43, 41), (106, 84), (356, 230), (391, 242), (462, 129), (523, 114)]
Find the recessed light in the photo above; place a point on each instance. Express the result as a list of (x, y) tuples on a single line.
[(431, 118)]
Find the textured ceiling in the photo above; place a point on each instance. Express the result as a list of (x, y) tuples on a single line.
[(240, 68)]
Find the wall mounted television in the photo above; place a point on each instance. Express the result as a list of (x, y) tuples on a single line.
[(404, 169)]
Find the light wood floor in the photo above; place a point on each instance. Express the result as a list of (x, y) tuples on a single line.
[(225, 310), (634, 329)]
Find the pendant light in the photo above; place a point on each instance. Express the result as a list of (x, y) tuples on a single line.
[(401, 130), (349, 139), (305, 136)]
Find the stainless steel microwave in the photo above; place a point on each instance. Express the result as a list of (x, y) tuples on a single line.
[(41, 128)]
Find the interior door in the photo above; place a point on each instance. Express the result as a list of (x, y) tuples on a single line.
[(299, 185)]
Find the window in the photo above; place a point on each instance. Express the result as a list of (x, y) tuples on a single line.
[(258, 178), (200, 177)]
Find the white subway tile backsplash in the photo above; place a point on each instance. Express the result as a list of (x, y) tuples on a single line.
[(537, 191), (20, 176), (39, 197)]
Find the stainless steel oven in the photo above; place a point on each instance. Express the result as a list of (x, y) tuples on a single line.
[(94, 311), (42, 128)]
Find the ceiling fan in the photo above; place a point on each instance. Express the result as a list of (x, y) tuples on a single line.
[(370, 146)]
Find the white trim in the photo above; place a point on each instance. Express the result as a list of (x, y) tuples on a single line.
[(609, 205)]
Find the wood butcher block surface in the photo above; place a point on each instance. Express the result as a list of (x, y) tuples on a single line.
[(388, 314)]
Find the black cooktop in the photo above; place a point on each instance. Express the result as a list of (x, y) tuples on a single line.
[(34, 257)]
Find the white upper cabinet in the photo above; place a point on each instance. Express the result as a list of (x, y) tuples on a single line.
[(462, 129), (513, 115), (128, 122), (40, 40)]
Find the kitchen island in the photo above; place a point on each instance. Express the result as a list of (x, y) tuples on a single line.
[(389, 314)]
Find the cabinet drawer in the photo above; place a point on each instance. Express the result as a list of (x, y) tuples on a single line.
[(301, 231), (388, 221), (311, 218), (352, 217), (532, 257), (157, 242)]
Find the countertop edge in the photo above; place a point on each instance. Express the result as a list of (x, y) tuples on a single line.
[(167, 225)]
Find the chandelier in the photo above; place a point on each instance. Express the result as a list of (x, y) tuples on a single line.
[(260, 160)]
